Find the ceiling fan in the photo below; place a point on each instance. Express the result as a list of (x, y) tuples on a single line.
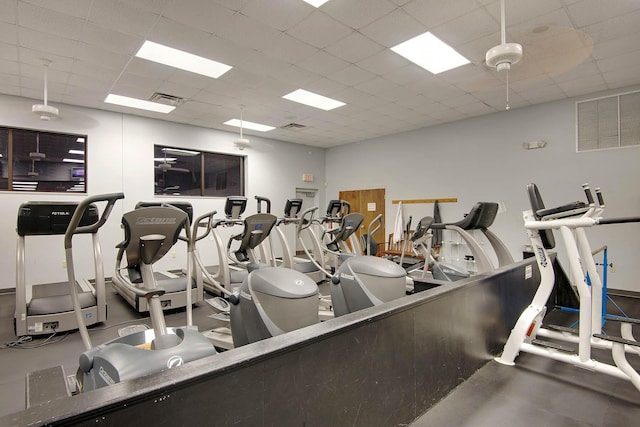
[(45, 111), (504, 55), (166, 165), (241, 142)]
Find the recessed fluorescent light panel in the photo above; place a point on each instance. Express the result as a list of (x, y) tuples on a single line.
[(249, 125), (182, 60), (313, 100), (316, 3), (431, 53), (73, 161), (80, 152), (138, 103)]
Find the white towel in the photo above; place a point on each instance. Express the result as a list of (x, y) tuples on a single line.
[(398, 228)]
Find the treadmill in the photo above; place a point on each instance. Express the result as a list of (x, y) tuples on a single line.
[(48, 308)]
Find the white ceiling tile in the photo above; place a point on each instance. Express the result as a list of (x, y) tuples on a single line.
[(8, 87), (265, 65), (595, 80), (518, 12), (319, 30), (247, 32), (323, 63), (289, 49), (589, 12), (178, 89), (241, 77), (411, 75), (582, 90), (77, 8), (353, 48), (433, 13), (588, 68), (87, 82), (8, 33), (98, 56), (630, 60), (9, 11), (235, 5), (475, 109), (393, 28), (43, 42), (146, 83), (8, 52), (620, 77), (351, 75), (297, 77), (458, 101), (358, 13), (326, 87), (213, 98), (123, 17), (619, 26), (110, 40), (204, 15), (475, 24), (377, 85), (143, 67), (50, 22), (278, 14), (9, 67), (383, 62), (616, 47)]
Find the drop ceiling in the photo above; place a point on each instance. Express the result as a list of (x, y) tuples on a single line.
[(340, 50)]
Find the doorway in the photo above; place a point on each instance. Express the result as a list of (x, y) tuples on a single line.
[(310, 198), (369, 203)]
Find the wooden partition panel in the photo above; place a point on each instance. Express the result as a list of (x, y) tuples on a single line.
[(381, 366)]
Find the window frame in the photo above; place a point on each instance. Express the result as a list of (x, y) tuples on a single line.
[(18, 184), (202, 177)]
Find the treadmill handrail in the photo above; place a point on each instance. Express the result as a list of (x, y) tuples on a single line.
[(73, 227)]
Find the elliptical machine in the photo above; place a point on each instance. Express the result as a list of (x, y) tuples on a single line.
[(150, 233), (360, 281), (270, 301)]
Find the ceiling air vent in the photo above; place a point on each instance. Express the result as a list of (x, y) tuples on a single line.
[(293, 126), (163, 98)]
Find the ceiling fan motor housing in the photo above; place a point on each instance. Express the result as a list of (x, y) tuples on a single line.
[(501, 57), (45, 112)]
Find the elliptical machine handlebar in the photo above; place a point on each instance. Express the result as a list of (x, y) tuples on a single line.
[(304, 222), (199, 223), (73, 227), (261, 200)]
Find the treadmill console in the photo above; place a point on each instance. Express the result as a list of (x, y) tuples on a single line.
[(51, 218)]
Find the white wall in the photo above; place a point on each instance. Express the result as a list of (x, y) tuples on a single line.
[(482, 159), (120, 158)]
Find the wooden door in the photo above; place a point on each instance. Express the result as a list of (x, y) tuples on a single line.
[(369, 203)]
